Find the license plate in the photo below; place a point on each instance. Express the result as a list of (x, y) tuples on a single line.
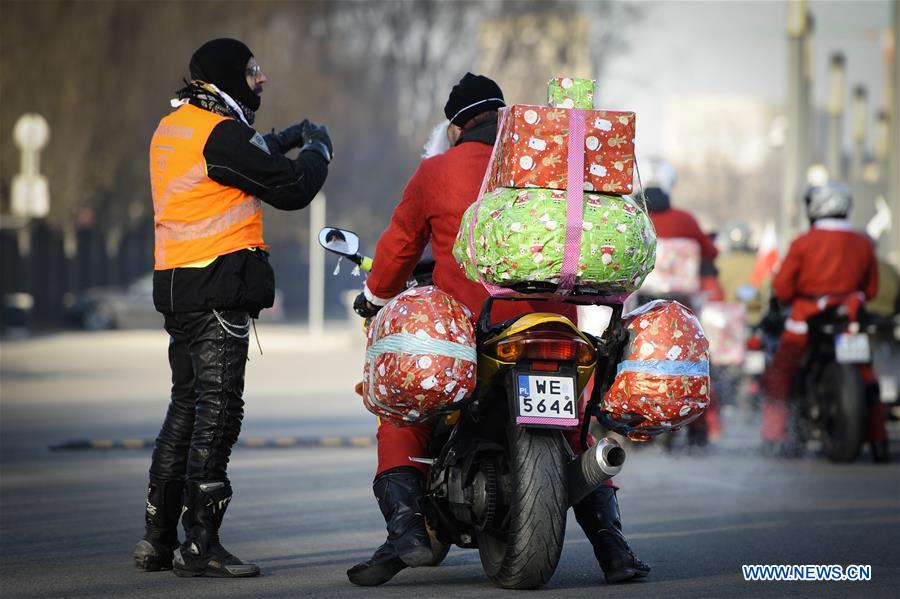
[(547, 400), (754, 362), (852, 348)]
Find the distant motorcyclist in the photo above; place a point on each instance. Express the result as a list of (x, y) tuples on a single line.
[(431, 209), (735, 266), (831, 260), (673, 223)]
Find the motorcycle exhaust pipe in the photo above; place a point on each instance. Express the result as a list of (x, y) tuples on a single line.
[(599, 463)]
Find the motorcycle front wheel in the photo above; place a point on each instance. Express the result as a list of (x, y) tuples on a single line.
[(524, 551)]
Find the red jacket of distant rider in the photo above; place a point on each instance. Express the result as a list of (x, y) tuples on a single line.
[(831, 259), (432, 206), (672, 222)]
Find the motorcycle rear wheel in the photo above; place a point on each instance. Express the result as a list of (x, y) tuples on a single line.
[(844, 419), (524, 555)]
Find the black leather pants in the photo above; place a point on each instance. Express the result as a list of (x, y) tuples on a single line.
[(205, 413)]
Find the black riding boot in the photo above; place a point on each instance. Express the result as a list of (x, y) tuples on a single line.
[(154, 551), (201, 554), (398, 492), (598, 515)]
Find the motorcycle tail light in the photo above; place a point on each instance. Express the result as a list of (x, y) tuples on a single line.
[(562, 350), (754, 343), (545, 346), (509, 350), (545, 366)]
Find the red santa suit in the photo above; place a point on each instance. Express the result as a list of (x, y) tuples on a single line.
[(431, 209), (671, 223), (830, 260)]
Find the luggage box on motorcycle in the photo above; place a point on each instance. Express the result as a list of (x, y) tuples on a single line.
[(520, 236), (420, 356), (724, 326), (677, 268)]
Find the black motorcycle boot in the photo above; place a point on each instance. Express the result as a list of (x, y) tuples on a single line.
[(398, 491), (598, 515), (154, 552), (201, 554), (380, 568)]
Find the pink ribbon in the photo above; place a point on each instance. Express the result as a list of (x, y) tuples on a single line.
[(574, 203)]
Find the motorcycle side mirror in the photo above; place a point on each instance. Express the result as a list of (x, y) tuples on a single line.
[(341, 242)]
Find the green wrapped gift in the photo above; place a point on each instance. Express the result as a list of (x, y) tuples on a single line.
[(520, 235), (568, 92)]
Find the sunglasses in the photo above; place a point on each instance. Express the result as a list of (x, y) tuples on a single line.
[(254, 71)]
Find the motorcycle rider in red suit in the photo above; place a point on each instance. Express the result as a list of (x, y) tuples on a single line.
[(671, 223), (430, 210), (831, 259)]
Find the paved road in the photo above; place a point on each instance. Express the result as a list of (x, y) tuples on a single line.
[(68, 520)]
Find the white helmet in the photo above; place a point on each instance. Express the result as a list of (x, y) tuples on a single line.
[(656, 172), (831, 200)]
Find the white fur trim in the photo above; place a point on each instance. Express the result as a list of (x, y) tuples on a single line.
[(833, 224), (798, 327), (374, 299), (438, 142)]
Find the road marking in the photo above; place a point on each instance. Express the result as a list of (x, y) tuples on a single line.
[(248, 442)]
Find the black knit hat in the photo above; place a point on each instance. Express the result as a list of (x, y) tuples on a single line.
[(470, 97), (223, 62)]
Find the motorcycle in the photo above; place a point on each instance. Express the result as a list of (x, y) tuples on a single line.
[(503, 476), (829, 400)]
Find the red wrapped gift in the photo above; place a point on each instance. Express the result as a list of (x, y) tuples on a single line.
[(662, 382), (534, 145), (420, 356)]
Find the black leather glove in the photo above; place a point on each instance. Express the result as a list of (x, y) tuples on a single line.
[(316, 139), (364, 307), (287, 139)]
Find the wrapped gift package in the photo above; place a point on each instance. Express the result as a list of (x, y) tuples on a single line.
[(662, 382), (569, 92), (724, 325), (533, 149), (520, 235), (420, 356), (677, 269)]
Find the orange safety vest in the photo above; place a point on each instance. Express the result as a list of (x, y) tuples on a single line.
[(195, 218)]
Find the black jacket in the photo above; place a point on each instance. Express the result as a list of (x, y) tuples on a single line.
[(237, 156)]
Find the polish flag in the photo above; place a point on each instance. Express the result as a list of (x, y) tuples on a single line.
[(766, 256)]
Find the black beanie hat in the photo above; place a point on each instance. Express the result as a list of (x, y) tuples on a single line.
[(470, 97), (223, 62)]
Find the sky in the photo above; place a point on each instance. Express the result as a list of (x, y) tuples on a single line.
[(736, 48)]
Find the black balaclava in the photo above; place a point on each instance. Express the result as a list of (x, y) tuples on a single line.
[(470, 97), (223, 62)]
